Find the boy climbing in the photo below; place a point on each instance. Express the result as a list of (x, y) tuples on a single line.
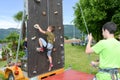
[(48, 44)]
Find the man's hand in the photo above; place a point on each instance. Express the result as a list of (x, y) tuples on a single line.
[(94, 63), (90, 37)]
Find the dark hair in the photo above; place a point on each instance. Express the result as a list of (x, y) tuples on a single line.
[(110, 26), (52, 28)]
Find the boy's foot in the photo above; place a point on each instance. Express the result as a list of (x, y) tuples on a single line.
[(50, 67), (40, 49)]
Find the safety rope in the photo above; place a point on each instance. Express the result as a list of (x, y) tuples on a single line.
[(85, 23), (20, 34), (48, 9), (84, 20)]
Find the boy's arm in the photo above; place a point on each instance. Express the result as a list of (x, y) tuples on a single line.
[(40, 29)]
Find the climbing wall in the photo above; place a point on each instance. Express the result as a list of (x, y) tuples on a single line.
[(44, 13)]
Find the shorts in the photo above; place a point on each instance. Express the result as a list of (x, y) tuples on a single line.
[(49, 46)]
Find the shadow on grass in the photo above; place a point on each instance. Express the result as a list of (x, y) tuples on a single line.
[(2, 77)]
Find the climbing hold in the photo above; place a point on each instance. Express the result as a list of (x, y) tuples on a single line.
[(59, 27), (58, 4), (58, 62), (56, 12), (44, 13), (34, 71), (61, 45), (37, 0), (33, 38), (36, 26), (61, 36)]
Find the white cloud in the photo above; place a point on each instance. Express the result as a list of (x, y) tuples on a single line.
[(7, 22)]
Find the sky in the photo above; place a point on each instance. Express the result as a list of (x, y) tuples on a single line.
[(10, 7)]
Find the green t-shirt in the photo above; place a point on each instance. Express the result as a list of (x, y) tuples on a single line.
[(50, 37), (109, 56), (109, 53)]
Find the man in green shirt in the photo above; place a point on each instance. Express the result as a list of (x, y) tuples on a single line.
[(108, 50)]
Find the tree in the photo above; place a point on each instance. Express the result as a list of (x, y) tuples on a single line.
[(96, 13), (13, 37), (18, 18), (12, 40)]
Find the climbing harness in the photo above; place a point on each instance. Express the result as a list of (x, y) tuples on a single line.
[(112, 71)]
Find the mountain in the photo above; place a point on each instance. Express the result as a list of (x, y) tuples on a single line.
[(69, 30), (5, 32)]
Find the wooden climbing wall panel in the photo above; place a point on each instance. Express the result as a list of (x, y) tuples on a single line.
[(44, 13)]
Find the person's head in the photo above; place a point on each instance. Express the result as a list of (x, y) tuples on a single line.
[(109, 28), (51, 28)]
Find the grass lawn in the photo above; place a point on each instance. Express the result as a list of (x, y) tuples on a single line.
[(1, 77), (76, 58), (2, 63)]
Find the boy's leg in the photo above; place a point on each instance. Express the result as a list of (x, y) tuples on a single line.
[(42, 44), (50, 59)]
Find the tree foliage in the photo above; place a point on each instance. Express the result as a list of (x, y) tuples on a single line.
[(18, 16), (96, 13), (13, 38)]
